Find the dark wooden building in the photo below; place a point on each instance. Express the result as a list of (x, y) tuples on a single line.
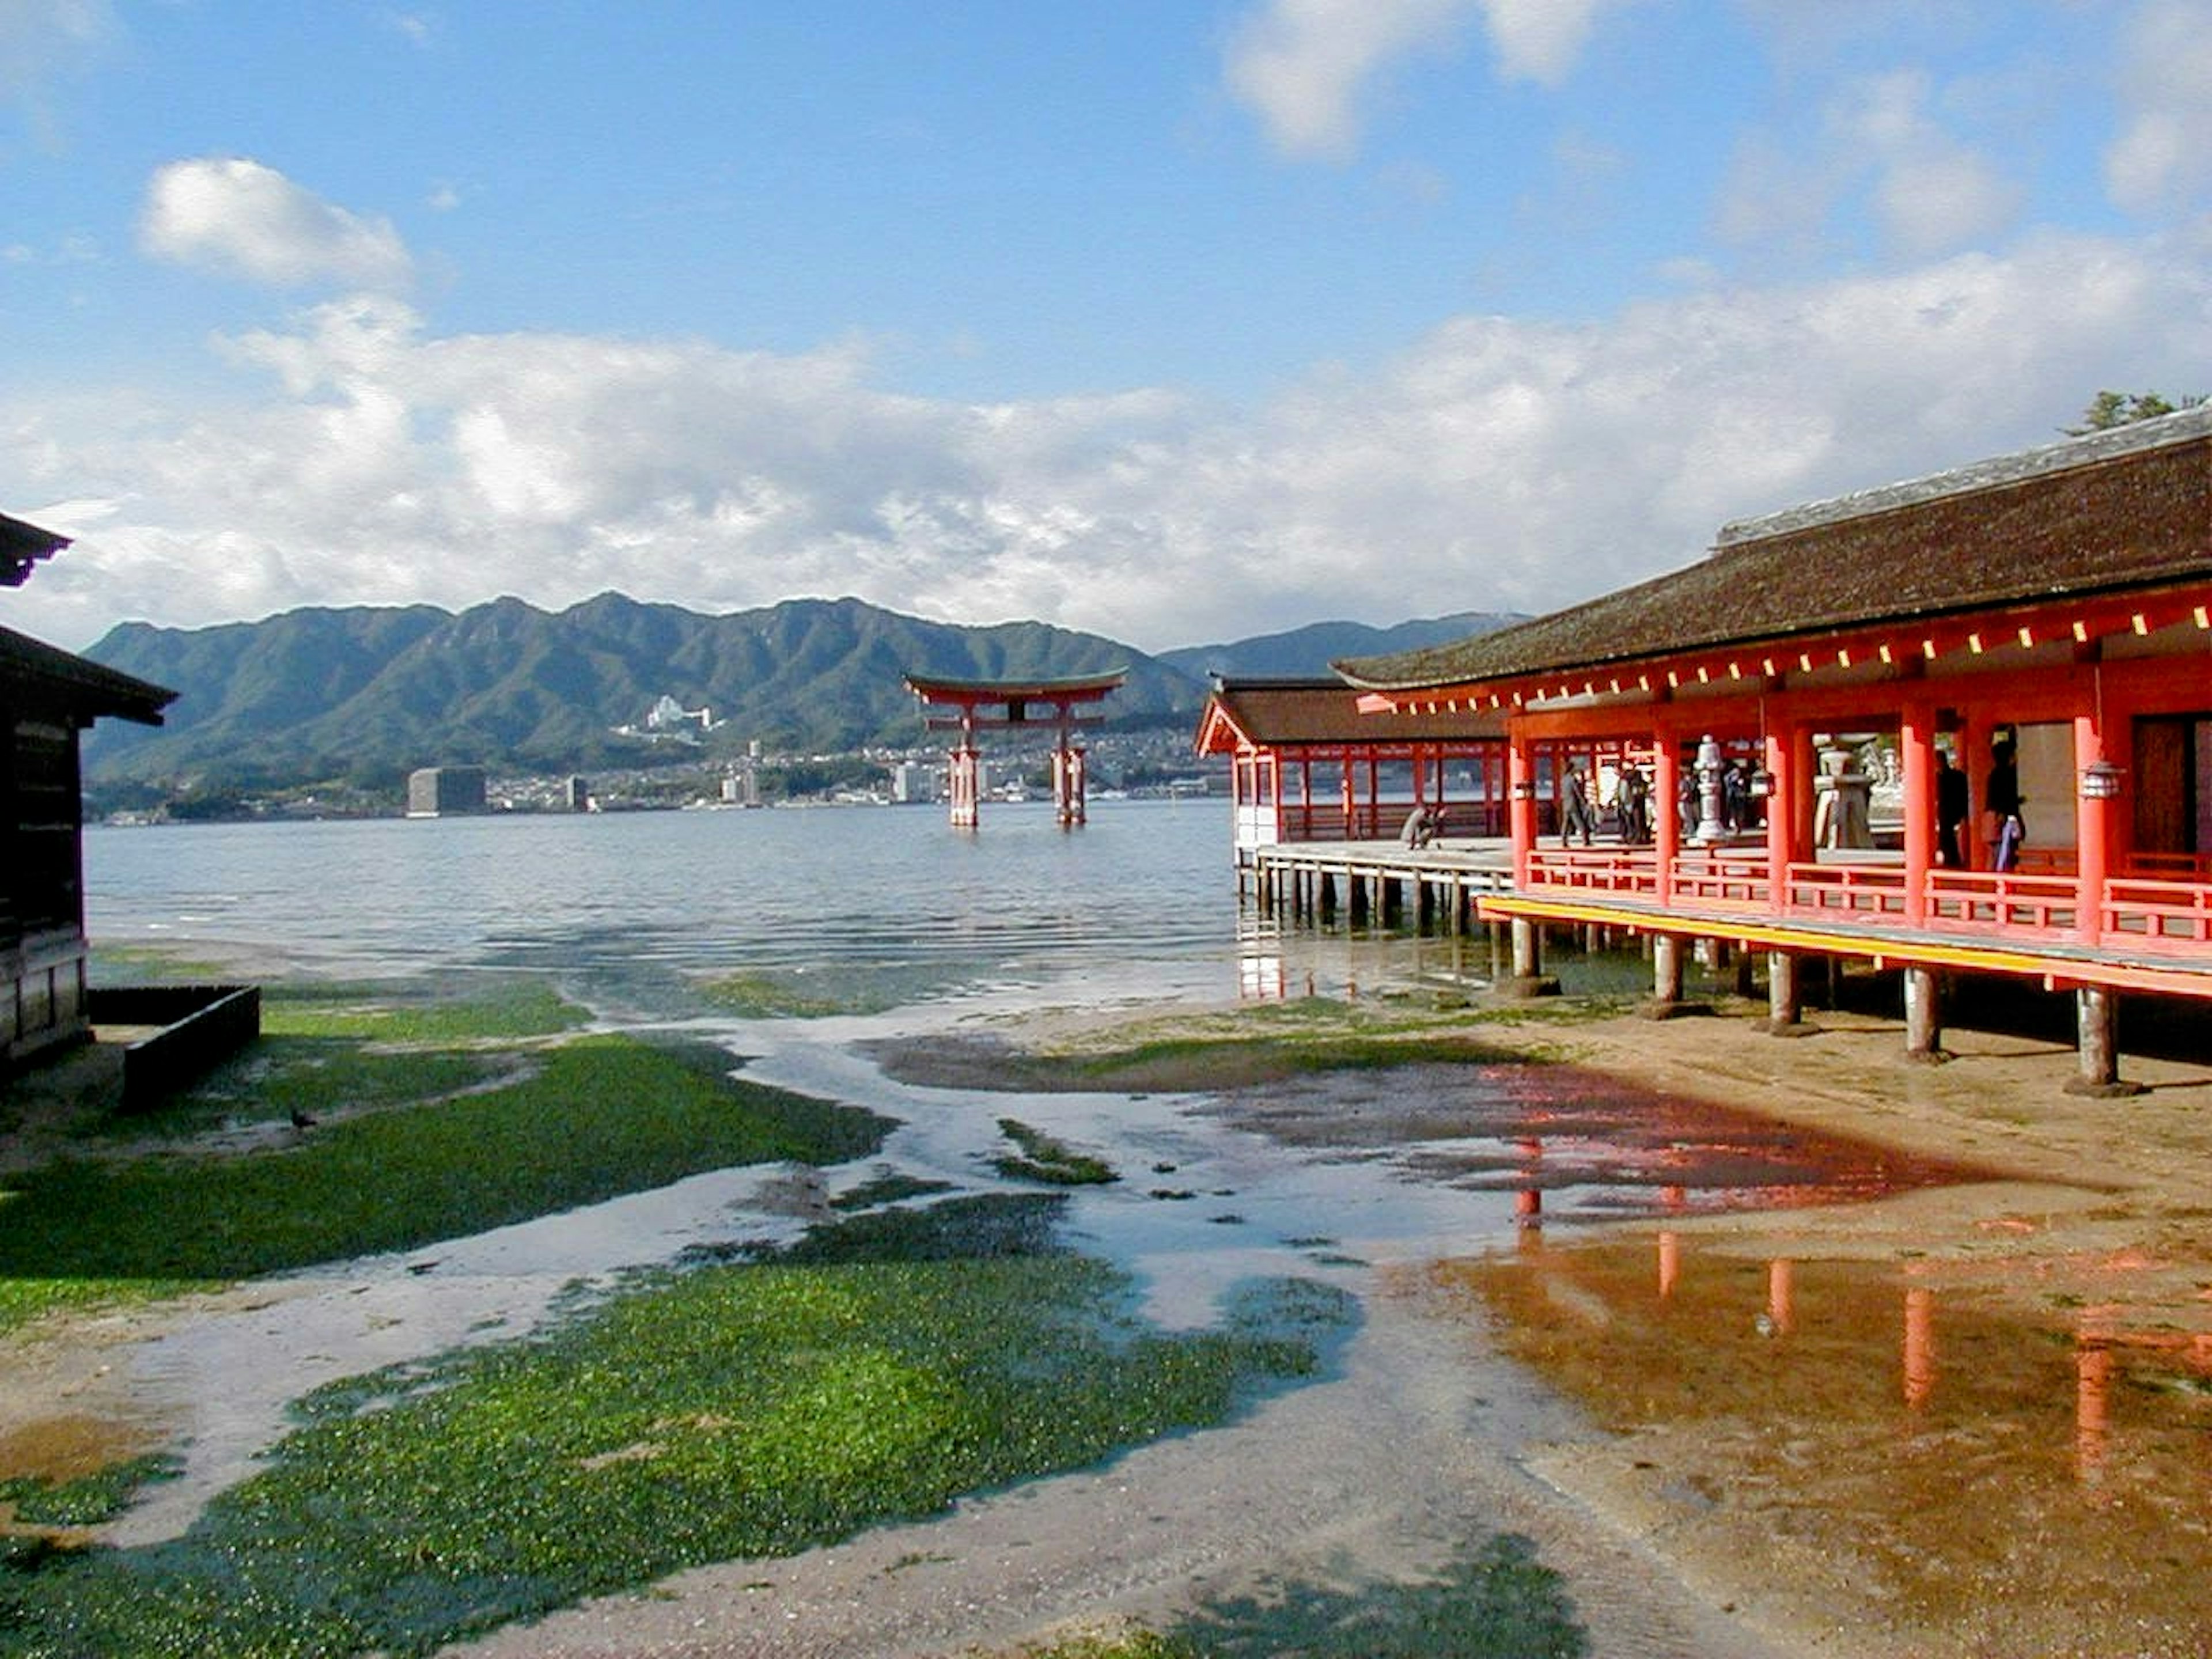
[(48, 698)]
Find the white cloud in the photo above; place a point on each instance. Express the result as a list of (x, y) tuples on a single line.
[(1304, 65), (1540, 39), (1499, 463), (238, 216), (1931, 193), (2163, 151), (1881, 144), (1307, 67), (40, 38)]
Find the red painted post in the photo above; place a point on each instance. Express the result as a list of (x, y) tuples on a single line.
[(2093, 820), (1781, 817), (1665, 811), (1520, 802), (1916, 748)]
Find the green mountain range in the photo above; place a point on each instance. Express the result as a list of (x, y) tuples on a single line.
[(364, 693)]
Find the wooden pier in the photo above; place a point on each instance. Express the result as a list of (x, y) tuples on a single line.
[(1438, 887)]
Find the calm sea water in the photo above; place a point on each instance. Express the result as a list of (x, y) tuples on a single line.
[(886, 906)]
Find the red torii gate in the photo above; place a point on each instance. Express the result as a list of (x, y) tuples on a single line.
[(952, 705)]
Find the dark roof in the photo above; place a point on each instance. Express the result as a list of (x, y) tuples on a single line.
[(1290, 714), (86, 689), (22, 546), (2125, 510)]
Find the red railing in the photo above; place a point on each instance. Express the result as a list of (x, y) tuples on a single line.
[(1720, 877), (1631, 870), (1860, 893), (2157, 913), (1987, 901), (2154, 908), (1327, 821)]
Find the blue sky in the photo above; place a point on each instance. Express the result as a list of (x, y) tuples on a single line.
[(1173, 321)]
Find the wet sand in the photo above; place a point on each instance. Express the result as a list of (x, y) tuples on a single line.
[(1793, 1515), (1710, 1526)]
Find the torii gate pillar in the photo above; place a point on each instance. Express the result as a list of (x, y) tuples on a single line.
[(1067, 793), (963, 784)]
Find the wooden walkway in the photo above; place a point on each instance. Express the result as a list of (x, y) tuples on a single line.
[(1438, 886)]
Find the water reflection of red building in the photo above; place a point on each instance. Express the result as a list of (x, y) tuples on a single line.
[(2101, 1348), (2098, 1347)]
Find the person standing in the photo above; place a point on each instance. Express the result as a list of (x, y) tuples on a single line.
[(1951, 808), (2002, 827), (1574, 806)]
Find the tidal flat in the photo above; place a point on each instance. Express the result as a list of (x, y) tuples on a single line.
[(876, 1367), (1379, 1340)]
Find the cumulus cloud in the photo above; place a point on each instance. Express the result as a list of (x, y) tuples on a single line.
[(1307, 67), (1881, 148), (2163, 152), (231, 215), (1304, 65), (1498, 463), (40, 38)]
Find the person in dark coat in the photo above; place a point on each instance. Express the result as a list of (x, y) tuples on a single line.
[(1574, 806), (2002, 827), (1951, 807)]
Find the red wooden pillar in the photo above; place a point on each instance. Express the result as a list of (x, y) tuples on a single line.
[(1520, 801), (1780, 761), (1666, 809), (1068, 795), (2094, 815), (1915, 749), (961, 784)]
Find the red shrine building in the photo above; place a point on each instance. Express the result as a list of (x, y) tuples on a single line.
[(1306, 765), (1960, 724)]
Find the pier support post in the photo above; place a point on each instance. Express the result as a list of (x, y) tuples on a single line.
[(1784, 1011), (1668, 951), (1924, 1016), (2097, 1018), (1529, 979)]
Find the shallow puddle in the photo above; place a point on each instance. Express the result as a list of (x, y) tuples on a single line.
[(1977, 1478)]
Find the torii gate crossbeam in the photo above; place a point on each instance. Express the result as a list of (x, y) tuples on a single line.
[(967, 707)]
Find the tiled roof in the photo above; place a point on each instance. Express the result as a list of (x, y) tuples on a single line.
[(2125, 510), (1290, 714)]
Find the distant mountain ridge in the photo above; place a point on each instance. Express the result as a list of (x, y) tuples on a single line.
[(1310, 650), (359, 692)]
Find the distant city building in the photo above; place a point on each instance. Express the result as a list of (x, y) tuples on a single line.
[(668, 715), (913, 781), (578, 795), (437, 791)]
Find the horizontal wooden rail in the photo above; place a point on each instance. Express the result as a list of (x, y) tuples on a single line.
[(2158, 912), (2008, 901), (1713, 878), (1595, 869)]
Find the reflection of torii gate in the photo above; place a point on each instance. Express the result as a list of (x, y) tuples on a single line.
[(961, 706)]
